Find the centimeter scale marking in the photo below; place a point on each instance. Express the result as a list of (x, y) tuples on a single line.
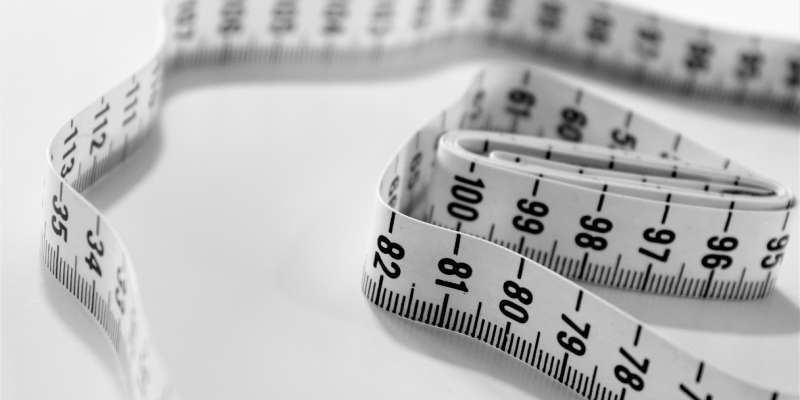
[(96, 303), (622, 278), (499, 337), (500, 212)]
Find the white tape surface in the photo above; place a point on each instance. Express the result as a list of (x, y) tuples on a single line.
[(670, 218)]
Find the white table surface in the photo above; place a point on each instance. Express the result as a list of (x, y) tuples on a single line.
[(227, 212)]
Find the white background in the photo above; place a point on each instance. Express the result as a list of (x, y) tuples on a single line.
[(247, 216)]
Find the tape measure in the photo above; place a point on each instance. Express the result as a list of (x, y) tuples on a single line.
[(490, 211)]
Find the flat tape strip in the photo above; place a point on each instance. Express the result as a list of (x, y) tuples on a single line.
[(487, 210)]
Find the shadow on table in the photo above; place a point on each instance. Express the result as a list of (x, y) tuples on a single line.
[(775, 314), (73, 314)]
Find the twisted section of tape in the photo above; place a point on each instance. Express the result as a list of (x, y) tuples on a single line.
[(488, 209)]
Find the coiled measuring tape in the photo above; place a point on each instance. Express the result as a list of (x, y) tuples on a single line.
[(488, 212)]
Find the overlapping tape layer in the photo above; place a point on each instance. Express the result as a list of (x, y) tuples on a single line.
[(522, 179)]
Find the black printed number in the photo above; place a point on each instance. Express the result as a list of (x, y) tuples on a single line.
[(623, 139), (775, 247), (518, 297), (658, 237), (335, 14), (96, 252), (699, 56), (720, 246), (499, 10), (749, 65), (572, 123), (466, 195), (231, 16), (597, 225), (550, 16), (520, 103), (59, 218), (394, 250), (599, 29), (574, 344), (414, 170), (451, 267), (631, 378), (97, 143), (392, 192), (121, 290), (530, 221), (648, 40), (382, 17), (689, 393), (792, 79), (283, 16)]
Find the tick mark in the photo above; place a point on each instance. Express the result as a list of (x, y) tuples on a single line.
[(676, 143), (666, 209), (708, 284), (699, 375), (628, 119), (526, 77), (458, 242), (646, 277), (728, 219), (785, 221), (602, 198)]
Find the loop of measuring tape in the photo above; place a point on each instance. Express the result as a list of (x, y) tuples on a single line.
[(485, 210)]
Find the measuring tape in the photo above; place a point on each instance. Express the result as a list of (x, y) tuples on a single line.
[(488, 212)]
